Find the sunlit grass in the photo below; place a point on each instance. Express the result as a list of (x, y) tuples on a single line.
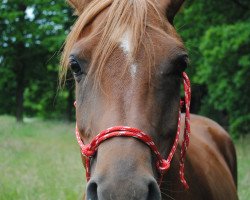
[(243, 154), (41, 160)]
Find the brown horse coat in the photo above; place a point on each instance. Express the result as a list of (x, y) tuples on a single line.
[(210, 169)]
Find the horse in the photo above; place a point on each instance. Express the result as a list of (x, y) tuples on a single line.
[(128, 63)]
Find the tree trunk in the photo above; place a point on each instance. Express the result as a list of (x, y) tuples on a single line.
[(20, 69), (20, 92)]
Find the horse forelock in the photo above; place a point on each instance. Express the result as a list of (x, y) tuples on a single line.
[(125, 19)]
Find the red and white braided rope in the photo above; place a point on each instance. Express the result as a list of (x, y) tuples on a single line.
[(89, 150)]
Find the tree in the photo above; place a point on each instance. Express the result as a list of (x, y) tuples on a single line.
[(32, 32), (216, 34), (226, 71)]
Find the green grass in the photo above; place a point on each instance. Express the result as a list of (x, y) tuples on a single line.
[(41, 160), (243, 157)]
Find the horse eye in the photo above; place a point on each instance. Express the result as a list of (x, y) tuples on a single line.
[(182, 63), (75, 67)]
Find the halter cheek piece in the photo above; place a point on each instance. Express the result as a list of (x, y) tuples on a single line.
[(89, 150)]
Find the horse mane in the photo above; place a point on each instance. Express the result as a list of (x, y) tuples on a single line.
[(123, 15)]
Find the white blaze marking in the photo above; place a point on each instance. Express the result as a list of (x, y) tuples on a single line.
[(126, 42), (133, 70), (126, 46)]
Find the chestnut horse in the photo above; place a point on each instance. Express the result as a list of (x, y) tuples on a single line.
[(128, 61)]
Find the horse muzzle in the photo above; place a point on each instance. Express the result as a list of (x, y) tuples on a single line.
[(144, 189), (121, 172)]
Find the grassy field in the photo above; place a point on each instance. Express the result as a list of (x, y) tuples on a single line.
[(41, 161)]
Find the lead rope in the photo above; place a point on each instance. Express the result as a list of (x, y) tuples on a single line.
[(89, 150), (185, 143)]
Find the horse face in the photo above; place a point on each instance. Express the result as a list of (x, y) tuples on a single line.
[(136, 85)]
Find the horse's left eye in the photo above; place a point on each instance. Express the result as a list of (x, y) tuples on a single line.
[(182, 63)]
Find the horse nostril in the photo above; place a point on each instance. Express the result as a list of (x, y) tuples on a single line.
[(145, 190), (92, 191), (153, 191)]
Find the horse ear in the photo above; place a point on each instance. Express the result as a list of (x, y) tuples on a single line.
[(171, 7), (78, 5)]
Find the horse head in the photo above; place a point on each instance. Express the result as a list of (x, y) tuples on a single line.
[(127, 61)]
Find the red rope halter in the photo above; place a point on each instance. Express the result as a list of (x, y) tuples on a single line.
[(89, 150)]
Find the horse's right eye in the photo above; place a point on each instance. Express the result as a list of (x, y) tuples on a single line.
[(75, 67)]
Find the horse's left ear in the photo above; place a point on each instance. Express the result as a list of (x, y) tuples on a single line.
[(171, 7), (78, 5)]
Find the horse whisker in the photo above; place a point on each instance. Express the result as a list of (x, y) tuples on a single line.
[(168, 195)]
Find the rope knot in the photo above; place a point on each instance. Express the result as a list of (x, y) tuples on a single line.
[(87, 151), (163, 165)]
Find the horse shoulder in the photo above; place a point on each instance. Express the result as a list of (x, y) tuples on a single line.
[(212, 156)]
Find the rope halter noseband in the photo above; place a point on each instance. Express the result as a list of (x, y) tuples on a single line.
[(89, 150)]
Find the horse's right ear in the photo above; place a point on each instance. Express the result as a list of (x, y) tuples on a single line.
[(171, 7), (78, 5)]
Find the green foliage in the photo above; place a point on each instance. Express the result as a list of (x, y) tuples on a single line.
[(217, 35), (226, 71), (32, 34)]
